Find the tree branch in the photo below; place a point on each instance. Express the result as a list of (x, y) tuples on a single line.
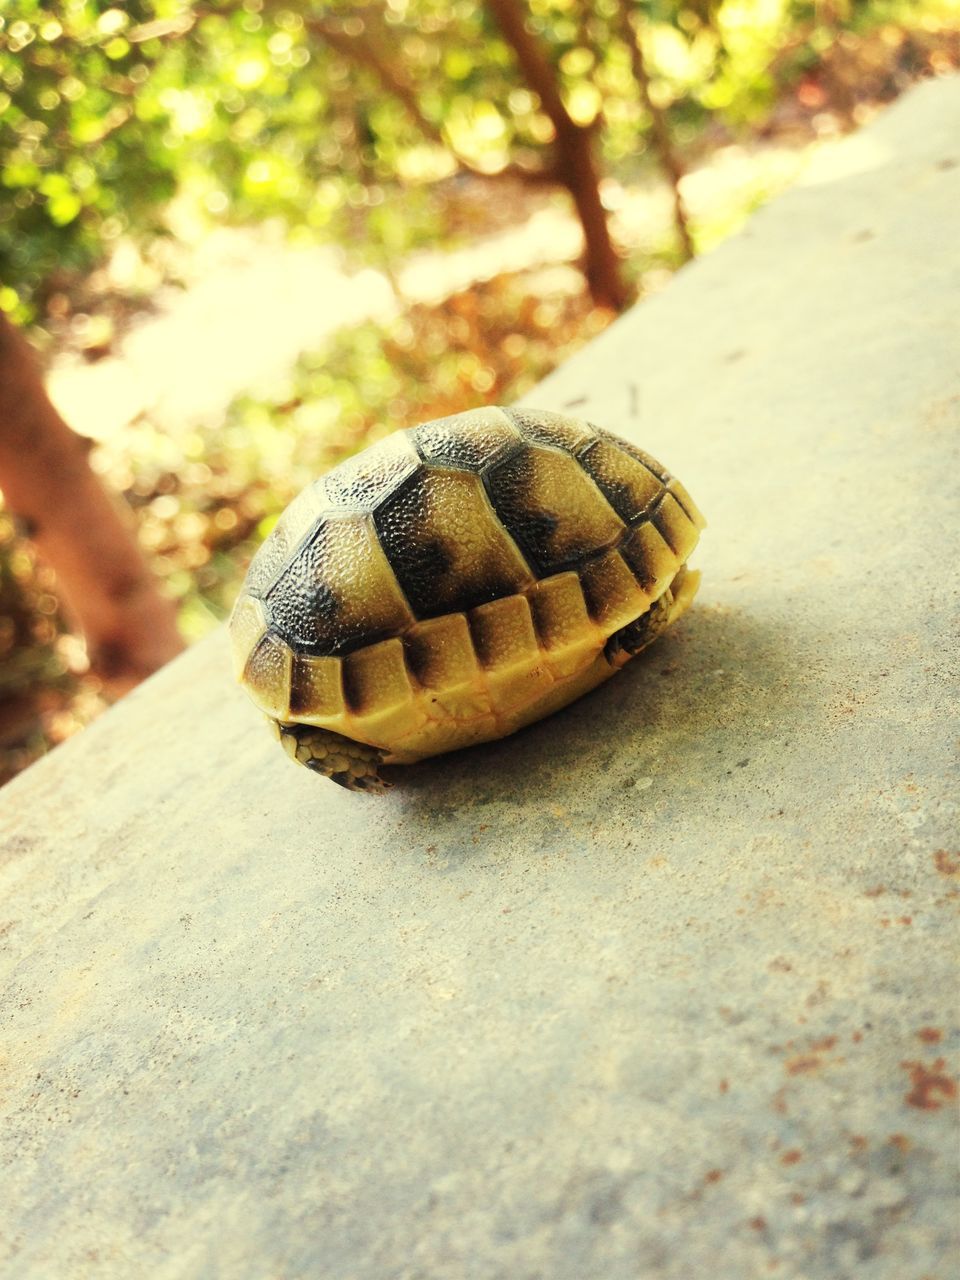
[(362, 51)]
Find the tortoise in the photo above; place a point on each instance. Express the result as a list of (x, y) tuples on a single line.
[(453, 583)]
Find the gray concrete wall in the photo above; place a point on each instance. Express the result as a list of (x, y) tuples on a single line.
[(662, 987)]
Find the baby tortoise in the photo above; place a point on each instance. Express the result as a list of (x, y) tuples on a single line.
[(456, 582)]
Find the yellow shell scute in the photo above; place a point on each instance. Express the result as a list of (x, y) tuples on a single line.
[(553, 507), (632, 486), (267, 676), (503, 633), (247, 627), (298, 517), (652, 560), (447, 548), (466, 439), (358, 482), (316, 689), (514, 666), (280, 545), (677, 528), (340, 589), (375, 679), (614, 596), (568, 637), (381, 701), (557, 430), (690, 507), (440, 653)]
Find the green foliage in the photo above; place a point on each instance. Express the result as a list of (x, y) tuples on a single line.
[(342, 119), (80, 163)]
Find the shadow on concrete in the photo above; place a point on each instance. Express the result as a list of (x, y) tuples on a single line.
[(703, 700)]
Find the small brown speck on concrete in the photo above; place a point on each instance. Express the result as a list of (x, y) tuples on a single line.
[(819, 995), (947, 863), (932, 1087), (793, 1156), (803, 1064), (930, 1035)]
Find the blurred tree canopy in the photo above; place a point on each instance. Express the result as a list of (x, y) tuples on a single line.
[(346, 118)]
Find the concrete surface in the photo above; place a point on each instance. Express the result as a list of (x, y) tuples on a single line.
[(662, 987)]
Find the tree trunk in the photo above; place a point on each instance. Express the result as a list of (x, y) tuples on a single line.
[(575, 166), (47, 482)]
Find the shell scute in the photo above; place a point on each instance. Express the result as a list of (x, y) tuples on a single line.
[(628, 485), (690, 508), (447, 547), (552, 508), (651, 559), (365, 481), (676, 527), (560, 613), (614, 596), (440, 653), (338, 591), (469, 441), (248, 624), (316, 688), (277, 548), (639, 455), (552, 429), (376, 679), (503, 633), (267, 676)]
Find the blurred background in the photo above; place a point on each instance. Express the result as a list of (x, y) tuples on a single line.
[(240, 240)]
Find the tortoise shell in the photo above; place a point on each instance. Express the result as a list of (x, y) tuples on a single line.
[(455, 582)]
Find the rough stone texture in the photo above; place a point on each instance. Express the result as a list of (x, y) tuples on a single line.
[(659, 988)]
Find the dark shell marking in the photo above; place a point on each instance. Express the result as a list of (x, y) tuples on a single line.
[(457, 513)]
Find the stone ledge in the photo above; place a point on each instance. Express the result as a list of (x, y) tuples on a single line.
[(661, 986)]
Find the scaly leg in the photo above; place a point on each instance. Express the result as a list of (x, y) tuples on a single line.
[(629, 640), (350, 764)]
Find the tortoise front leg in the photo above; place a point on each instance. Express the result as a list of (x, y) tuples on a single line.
[(350, 764)]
